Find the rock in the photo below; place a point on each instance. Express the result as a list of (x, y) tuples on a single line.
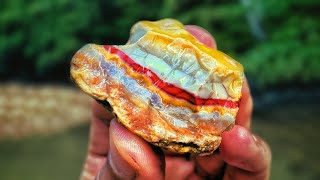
[(164, 85)]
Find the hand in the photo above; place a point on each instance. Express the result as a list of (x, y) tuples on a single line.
[(116, 153)]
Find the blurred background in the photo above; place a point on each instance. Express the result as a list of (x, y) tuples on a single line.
[(44, 119)]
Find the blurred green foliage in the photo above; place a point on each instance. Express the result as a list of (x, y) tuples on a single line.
[(277, 41), (36, 34), (291, 51)]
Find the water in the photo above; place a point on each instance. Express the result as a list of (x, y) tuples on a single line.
[(51, 157)]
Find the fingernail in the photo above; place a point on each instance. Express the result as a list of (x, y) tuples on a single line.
[(254, 138)]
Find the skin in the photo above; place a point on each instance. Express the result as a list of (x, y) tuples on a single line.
[(116, 153)]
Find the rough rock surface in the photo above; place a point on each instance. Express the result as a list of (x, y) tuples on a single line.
[(164, 85)]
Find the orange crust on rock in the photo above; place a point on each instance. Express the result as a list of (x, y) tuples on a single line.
[(136, 116), (181, 120), (141, 118)]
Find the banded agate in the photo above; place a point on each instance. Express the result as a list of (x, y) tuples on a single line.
[(164, 85)]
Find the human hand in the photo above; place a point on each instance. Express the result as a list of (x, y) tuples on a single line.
[(116, 153)]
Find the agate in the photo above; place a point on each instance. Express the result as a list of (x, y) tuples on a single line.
[(164, 85)]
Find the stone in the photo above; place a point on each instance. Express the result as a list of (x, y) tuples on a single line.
[(164, 85)]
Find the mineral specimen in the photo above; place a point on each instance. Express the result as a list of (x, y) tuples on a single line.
[(164, 85)]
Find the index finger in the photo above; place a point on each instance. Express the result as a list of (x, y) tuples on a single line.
[(98, 142), (99, 131)]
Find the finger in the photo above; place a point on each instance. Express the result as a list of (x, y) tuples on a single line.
[(98, 142), (243, 117), (99, 131), (202, 35), (131, 157), (247, 156), (209, 166), (178, 167)]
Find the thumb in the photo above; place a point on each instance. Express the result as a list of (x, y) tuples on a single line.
[(131, 157)]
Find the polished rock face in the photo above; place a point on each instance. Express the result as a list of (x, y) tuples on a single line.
[(164, 85)]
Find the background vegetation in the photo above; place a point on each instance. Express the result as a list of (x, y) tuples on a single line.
[(277, 41)]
